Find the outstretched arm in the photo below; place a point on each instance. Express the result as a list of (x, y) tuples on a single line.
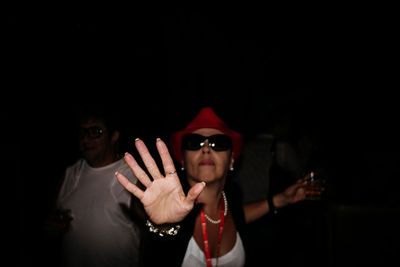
[(163, 197), (292, 194)]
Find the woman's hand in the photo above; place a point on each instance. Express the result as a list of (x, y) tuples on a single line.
[(163, 197), (294, 193)]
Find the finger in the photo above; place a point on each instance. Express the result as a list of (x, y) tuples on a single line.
[(301, 182), (129, 186), (301, 194), (308, 176), (193, 193), (137, 170), (148, 160), (166, 159)]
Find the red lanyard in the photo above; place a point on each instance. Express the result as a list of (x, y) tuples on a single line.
[(205, 238)]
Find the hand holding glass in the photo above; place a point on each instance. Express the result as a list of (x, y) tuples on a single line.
[(314, 187)]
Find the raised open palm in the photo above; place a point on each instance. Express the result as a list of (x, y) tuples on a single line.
[(163, 197)]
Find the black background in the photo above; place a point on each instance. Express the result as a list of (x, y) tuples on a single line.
[(329, 67)]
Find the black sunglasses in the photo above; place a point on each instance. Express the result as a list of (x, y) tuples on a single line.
[(218, 142), (93, 132)]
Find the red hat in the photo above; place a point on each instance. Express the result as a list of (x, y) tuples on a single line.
[(205, 119)]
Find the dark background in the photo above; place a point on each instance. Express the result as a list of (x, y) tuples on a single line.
[(326, 67)]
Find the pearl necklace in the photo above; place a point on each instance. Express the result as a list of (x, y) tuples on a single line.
[(225, 211)]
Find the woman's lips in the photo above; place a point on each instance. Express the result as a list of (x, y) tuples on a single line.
[(206, 162)]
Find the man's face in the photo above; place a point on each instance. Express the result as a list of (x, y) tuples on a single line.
[(94, 142)]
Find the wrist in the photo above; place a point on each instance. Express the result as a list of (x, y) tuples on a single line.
[(271, 205), (164, 229)]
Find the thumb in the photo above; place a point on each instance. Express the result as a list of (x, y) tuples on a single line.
[(194, 192)]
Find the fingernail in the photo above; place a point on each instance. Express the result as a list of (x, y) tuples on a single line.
[(126, 153), (116, 173), (137, 139), (204, 183), (158, 139)]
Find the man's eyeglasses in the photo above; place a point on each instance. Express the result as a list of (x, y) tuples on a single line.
[(93, 132), (218, 142)]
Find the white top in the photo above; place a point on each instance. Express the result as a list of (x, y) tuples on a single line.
[(101, 233), (195, 257)]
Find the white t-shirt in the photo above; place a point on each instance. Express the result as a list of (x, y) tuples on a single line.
[(101, 232), (195, 257)]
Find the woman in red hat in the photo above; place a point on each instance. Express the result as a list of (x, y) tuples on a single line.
[(200, 220)]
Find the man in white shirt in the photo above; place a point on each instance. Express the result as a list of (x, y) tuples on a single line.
[(101, 231)]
